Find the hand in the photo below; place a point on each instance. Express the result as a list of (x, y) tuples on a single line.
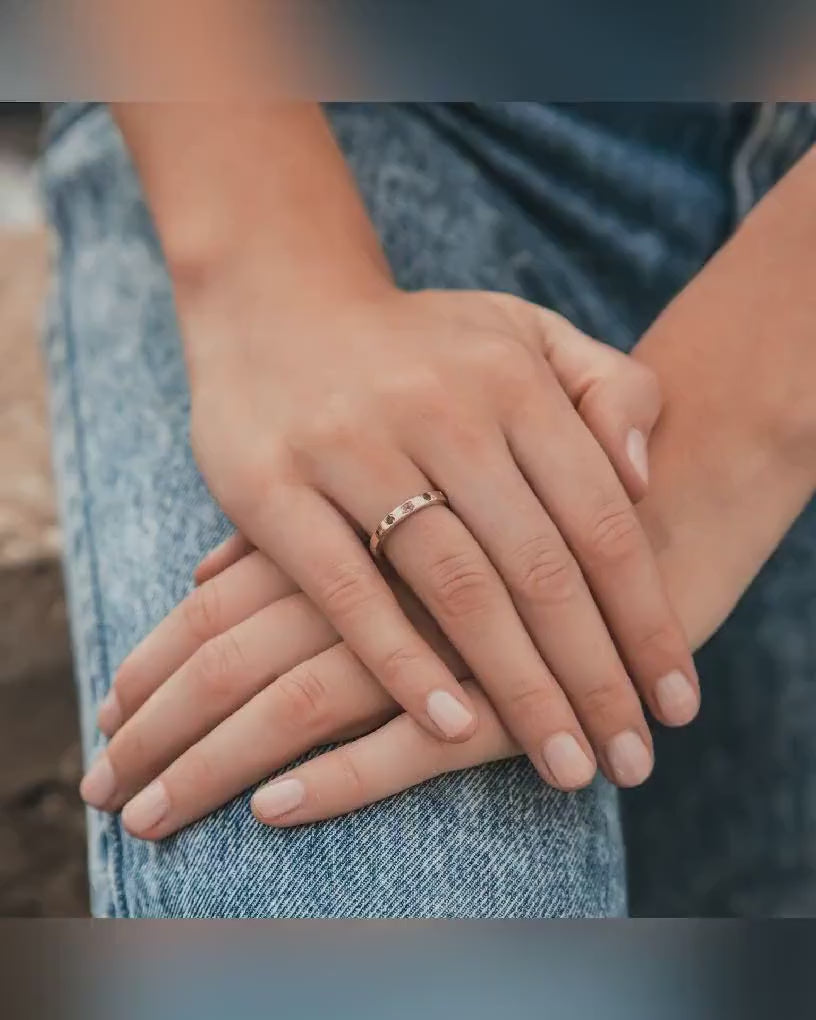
[(309, 440), (247, 625)]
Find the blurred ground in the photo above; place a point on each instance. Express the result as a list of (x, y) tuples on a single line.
[(42, 855)]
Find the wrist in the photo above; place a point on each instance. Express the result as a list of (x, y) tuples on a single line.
[(244, 264), (236, 315)]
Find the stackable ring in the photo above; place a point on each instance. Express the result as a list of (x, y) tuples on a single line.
[(433, 497)]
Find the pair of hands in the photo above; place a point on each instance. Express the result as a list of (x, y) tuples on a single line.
[(540, 577)]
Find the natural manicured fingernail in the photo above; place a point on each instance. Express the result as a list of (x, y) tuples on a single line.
[(636, 450), (99, 783), (448, 714), (677, 698), (278, 798), (565, 758), (109, 718), (203, 565), (629, 759), (147, 808)]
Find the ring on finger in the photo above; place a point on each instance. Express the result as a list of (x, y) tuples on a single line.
[(392, 520)]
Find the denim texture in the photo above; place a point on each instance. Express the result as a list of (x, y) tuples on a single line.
[(601, 211)]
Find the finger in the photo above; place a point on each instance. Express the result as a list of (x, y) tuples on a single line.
[(235, 594), (443, 563), (320, 551), (393, 758), (220, 677), (617, 397), (312, 704), (505, 516), (223, 556), (573, 479)]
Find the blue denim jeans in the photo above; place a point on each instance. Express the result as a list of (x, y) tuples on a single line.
[(602, 212)]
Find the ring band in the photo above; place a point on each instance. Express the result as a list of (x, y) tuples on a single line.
[(433, 497)]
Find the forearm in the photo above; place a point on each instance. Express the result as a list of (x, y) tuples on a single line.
[(734, 455), (251, 187), (238, 187)]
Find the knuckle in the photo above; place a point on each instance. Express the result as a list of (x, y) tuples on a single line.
[(460, 586), (347, 588), (202, 612), (335, 427), (420, 390), (526, 701), (201, 771), (354, 784), (545, 574), (602, 702), (130, 750), (305, 696), (614, 533), (507, 364), (216, 666), (398, 663), (660, 641), (469, 434)]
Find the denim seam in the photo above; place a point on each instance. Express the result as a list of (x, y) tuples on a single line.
[(747, 158), (61, 118), (113, 832)]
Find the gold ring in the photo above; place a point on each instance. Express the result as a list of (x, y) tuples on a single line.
[(434, 497)]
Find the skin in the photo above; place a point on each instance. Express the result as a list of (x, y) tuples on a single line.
[(731, 465), (541, 575), (198, 645), (308, 432)]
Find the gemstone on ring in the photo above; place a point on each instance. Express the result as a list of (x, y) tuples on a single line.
[(402, 513)]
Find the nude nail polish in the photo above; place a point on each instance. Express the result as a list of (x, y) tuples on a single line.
[(448, 714), (109, 717), (278, 798), (637, 452), (99, 783), (678, 700), (565, 758), (629, 759), (147, 808)]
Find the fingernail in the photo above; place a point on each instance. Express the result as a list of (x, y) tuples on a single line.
[(109, 717), (629, 759), (147, 808), (677, 699), (565, 758), (204, 563), (636, 450), (448, 714), (278, 798), (99, 783)]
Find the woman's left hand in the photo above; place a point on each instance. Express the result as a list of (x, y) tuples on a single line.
[(321, 694)]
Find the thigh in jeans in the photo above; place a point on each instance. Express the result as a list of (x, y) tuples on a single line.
[(489, 842)]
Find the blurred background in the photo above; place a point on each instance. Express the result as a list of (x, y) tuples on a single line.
[(42, 854)]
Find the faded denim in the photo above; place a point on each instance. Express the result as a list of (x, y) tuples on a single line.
[(602, 211)]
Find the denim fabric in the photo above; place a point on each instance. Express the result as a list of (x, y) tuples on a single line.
[(600, 211)]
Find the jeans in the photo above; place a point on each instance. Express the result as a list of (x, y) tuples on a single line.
[(601, 211)]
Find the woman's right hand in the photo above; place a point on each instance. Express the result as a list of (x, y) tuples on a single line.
[(309, 430)]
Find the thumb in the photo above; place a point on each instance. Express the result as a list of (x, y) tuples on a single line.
[(617, 397)]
